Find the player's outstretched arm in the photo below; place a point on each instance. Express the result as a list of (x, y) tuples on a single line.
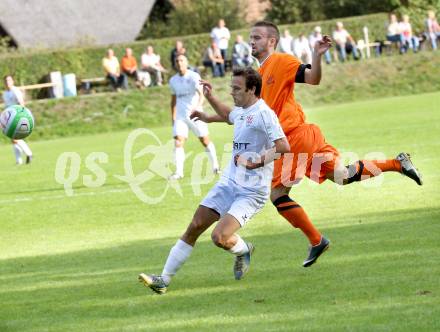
[(202, 116), (221, 109), (280, 147)]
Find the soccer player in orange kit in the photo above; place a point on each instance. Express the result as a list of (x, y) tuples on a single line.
[(310, 154)]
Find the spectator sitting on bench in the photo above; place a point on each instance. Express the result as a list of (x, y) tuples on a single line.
[(151, 64), (394, 35), (112, 70), (286, 43), (129, 65), (315, 37), (409, 40), (344, 43), (213, 59), (301, 49), (241, 53)]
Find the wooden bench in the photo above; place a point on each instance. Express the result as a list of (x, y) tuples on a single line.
[(38, 86), (86, 83)]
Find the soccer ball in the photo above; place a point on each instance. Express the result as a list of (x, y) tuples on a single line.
[(16, 122)]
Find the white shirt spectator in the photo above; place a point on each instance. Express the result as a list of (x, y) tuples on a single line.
[(14, 96), (341, 36), (393, 29), (286, 44), (313, 38), (150, 60), (302, 49), (221, 37)]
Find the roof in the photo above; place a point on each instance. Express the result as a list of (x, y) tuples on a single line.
[(49, 23)]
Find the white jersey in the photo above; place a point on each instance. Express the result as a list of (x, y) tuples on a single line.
[(12, 97), (185, 89), (255, 130)]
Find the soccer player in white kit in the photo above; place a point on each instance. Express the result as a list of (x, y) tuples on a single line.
[(13, 96), (245, 184), (187, 96)]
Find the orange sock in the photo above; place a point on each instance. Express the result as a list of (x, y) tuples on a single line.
[(372, 167), (366, 169), (298, 218)]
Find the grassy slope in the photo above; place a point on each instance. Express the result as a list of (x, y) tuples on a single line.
[(386, 76), (71, 263)]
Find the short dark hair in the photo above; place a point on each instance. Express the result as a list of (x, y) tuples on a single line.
[(252, 78), (271, 28)]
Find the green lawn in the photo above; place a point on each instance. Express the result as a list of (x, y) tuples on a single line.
[(71, 263)]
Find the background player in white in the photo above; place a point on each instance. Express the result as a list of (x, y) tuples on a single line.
[(245, 184), (13, 96), (187, 96)]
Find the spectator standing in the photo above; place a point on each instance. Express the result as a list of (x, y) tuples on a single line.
[(344, 42), (129, 65), (221, 35), (394, 34), (151, 64), (301, 49), (315, 37), (175, 52), (409, 40), (286, 43), (213, 59), (241, 53), (112, 70), (13, 96), (432, 29)]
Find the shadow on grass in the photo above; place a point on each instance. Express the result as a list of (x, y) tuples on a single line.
[(373, 272)]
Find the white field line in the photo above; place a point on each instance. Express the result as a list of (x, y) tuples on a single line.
[(93, 193), (52, 197)]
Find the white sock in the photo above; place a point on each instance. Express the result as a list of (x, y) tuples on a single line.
[(240, 248), (177, 257), (212, 155), (24, 147), (17, 152), (179, 160)]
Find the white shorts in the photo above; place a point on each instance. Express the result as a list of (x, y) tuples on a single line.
[(229, 198), (181, 127)]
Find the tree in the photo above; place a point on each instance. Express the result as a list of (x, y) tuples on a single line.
[(195, 16), (292, 11)]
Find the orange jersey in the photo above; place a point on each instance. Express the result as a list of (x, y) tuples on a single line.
[(278, 74)]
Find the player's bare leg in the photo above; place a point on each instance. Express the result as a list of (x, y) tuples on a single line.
[(297, 217), (179, 157), (203, 218), (211, 152), (224, 236)]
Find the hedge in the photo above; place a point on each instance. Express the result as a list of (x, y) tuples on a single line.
[(361, 80), (33, 67)]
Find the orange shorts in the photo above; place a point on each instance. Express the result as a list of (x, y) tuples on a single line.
[(310, 155)]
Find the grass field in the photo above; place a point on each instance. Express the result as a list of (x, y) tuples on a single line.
[(70, 263)]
